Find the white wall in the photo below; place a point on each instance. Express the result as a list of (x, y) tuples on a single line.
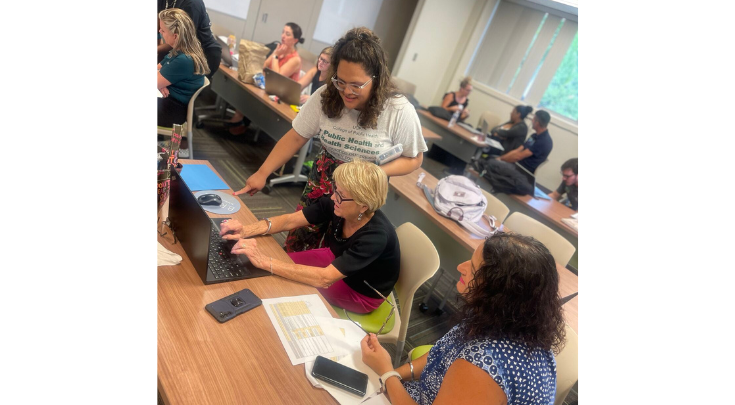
[(460, 26)]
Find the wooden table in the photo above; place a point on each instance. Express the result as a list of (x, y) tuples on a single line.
[(407, 203), (201, 361), (456, 140), (571, 312)]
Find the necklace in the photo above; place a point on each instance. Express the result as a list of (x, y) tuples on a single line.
[(172, 5)]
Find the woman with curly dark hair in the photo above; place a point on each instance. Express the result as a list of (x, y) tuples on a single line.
[(503, 349), (357, 114)]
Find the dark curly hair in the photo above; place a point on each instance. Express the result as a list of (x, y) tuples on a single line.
[(360, 45), (514, 294)]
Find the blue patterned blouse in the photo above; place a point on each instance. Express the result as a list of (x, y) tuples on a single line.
[(525, 378)]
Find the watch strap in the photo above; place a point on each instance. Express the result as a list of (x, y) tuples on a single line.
[(383, 378)]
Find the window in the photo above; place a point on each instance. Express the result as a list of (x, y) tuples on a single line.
[(530, 53), (561, 95)]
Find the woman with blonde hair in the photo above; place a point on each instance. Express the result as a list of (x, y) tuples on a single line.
[(181, 72), (454, 99), (362, 245), (317, 75)]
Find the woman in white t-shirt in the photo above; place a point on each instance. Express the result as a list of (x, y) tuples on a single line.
[(357, 114)]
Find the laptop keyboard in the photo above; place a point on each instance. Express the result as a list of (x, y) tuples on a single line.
[(223, 264)]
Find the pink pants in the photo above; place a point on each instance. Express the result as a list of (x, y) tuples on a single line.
[(339, 293)]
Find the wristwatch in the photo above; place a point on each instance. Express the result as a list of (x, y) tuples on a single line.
[(383, 378)]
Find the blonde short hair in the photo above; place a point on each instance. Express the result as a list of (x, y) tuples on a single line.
[(465, 82), (366, 182)]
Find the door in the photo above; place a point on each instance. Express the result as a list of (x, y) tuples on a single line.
[(274, 14)]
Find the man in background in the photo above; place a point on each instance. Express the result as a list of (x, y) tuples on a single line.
[(537, 148), (568, 184)]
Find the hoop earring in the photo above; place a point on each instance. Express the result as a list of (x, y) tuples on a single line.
[(359, 217)]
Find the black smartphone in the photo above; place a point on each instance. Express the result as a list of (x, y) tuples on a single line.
[(340, 376), (229, 307)]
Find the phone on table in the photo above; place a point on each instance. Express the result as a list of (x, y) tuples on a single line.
[(340, 376), (231, 306)]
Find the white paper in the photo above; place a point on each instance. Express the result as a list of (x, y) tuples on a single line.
[(159, 93), (296, 322), (376, 399)]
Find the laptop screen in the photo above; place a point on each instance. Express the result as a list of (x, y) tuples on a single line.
[(190, 223)]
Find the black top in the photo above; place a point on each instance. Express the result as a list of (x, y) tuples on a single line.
[(540, 145), (315, 83), (454, 100), (198, 13), (511, 138), (572, 193), (372, 253)]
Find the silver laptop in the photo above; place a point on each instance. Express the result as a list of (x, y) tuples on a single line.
[(286, 89), (532, 179)]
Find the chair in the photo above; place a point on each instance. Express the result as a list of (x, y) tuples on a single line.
[(308, 59), (419, 262), (566, 366), (404, 86), (560, 248), (488, 121), (495, 208), (188, 153)]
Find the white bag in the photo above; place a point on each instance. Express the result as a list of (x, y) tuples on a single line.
[(458, 198)]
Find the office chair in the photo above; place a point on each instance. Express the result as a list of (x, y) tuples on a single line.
[(419, 262), (189, 152), (560, 248)]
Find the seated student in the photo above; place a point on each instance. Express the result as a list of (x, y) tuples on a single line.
[(568, 184), (362, 243), (453, 99), (317, 75), (502, 352), (537, 148), (284, 60), (181, 72), (197, 11), (512, 133)]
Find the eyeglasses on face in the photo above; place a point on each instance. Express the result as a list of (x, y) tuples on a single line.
[(324, 61), (355, 89), (339, 197), (566, 176)]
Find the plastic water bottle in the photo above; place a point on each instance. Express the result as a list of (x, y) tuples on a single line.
[(455, 116)]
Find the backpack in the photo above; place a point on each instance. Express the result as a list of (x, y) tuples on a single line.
[(458, 198), (504, 178)]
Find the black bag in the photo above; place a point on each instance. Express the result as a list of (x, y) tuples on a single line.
[(440, 112), (504, 178)]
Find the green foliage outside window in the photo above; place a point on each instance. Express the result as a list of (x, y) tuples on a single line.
[(562, 94)]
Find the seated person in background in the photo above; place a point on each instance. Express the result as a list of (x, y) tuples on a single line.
[(317, 75), (512, 134), (181, 72), (452, 100), (196, 10), (537, 148), (362, 243), (503, 349), (568, 184), (284, 60)]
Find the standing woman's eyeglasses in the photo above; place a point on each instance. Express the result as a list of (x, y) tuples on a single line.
[(355, 89)]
